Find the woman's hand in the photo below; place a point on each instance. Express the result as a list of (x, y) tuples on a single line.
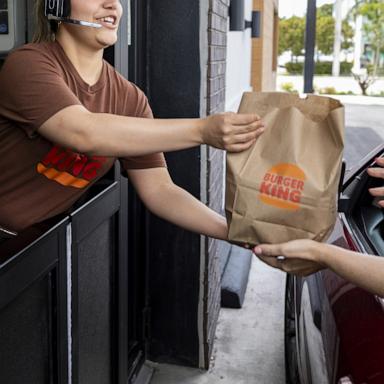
[(379, 173), (230, 131), (301, 257)]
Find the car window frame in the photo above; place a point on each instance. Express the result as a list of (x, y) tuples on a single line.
[(349, 201)]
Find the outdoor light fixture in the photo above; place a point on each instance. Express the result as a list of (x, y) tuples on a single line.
[(236, 15), (255, 24), (236, 19)]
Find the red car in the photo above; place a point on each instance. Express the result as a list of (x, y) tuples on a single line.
[(334, 331)]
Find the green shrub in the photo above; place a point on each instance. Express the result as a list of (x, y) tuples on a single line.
[(345, 68), (294, 68), (328, 91), (321, 68), (288, 87), (381, 94), (325, 68)]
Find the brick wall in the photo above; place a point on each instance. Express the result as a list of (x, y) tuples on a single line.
[(217, 43), (215, 98)]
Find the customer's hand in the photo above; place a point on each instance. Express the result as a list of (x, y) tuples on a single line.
[(230, 131), (379, 173), (301, 256)]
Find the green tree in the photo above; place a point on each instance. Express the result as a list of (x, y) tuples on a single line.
[(373, 11), (325, 34), (325, 10), (348, 34), (292, 33), (325, 31)]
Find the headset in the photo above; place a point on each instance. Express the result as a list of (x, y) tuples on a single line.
[(60, 10)]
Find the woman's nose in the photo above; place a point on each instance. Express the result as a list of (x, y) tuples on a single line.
[(111, 4)]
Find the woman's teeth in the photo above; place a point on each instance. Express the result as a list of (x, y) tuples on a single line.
[(109, 20)]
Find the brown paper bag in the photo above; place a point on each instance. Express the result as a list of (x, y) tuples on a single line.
[(285, 186)]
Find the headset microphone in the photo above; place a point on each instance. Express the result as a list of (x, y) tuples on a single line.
[(60, 10)]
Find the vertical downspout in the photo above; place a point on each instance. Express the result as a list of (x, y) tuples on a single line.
[(203, 22), (310, 40)]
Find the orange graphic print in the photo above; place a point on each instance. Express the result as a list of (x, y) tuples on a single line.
[(282, 186), (70, 169)]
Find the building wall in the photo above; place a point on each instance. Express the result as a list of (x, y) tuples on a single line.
[(214, 164), (196, 72), (264, 48), (239, 54), (227, 66)]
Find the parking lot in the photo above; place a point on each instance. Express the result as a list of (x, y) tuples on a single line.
[(249, 348)]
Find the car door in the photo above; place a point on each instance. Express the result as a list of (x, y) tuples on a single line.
[(359, 315), (340, 327)]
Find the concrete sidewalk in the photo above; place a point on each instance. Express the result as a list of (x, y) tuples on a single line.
[(249, 345)]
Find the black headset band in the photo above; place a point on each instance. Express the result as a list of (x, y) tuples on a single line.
[(58, 8)]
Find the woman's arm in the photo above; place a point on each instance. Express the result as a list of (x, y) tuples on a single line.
[(366, 271), (105, 134), (172, 203)]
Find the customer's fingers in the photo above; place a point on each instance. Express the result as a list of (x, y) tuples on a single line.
[(377, 192), (376, 172), (268, 250)]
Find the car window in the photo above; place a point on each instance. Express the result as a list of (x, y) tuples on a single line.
[(367, 214)]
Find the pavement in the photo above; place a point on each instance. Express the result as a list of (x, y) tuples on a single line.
[(249, 345)]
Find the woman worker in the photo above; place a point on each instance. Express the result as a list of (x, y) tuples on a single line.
[(66, 115), (303, 257)]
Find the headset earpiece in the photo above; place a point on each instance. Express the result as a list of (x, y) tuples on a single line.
[(60, 11), (58, 8)]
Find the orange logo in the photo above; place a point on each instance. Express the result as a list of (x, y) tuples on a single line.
[(282, 186), (70, 169)]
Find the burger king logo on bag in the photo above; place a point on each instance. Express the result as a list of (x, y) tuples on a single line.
[(282, 186)]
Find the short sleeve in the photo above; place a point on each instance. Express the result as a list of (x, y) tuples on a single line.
[(32, 89), (155, 160)]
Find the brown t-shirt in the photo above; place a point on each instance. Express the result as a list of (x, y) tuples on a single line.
[(39, 179)]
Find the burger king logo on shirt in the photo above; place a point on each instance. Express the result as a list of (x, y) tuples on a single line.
[(282, 186), (70, 169)]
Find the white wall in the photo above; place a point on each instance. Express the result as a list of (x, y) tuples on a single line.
[(238, 73)]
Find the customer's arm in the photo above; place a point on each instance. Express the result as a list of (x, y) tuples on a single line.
[(304, 257), (172, 203), (120, 136), (363, 270)]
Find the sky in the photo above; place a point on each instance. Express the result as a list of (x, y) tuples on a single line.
[(287, 8)]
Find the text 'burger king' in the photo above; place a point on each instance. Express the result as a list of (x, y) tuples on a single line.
[(282, 186)]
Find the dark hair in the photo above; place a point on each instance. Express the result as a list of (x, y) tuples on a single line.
[(45, 30)]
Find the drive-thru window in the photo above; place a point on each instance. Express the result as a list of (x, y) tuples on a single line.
[(79, 301), (71, 300)]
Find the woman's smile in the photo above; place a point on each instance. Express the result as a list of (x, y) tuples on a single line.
[(110, 22)]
